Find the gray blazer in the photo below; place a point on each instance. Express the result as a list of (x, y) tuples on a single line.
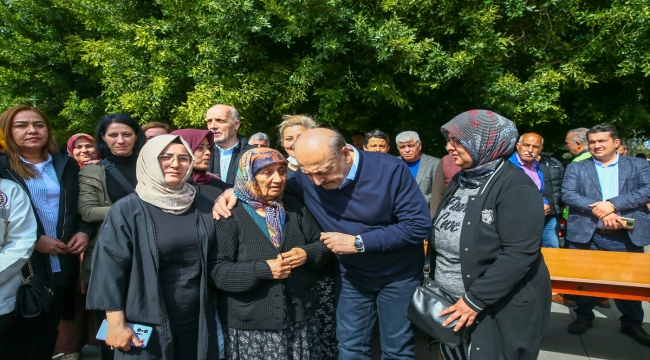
[(424, 178), (581, 188)]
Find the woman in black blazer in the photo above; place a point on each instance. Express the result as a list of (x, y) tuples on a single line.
[(486, 245)]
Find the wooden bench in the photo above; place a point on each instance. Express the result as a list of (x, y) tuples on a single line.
[(608, 274)]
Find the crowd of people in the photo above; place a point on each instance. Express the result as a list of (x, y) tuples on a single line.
[(229, 249)]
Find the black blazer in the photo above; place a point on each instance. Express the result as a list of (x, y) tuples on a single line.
[(69, 221), (250, 299), (502, 267)]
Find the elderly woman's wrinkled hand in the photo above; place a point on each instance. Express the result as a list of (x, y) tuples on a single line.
[(296, 257), (460, 311), (120, 336), (280, 268)]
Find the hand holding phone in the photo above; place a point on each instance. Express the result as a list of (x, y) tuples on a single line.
[(142, 332), (626, 223)]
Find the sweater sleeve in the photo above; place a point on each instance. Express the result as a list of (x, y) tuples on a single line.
[(112, 260), (228, 273), (317, 251), (412, 220), (21, 235), (520, 245)]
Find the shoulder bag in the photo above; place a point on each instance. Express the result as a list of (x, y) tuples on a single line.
[(34, 297), (427, 302), (117, 175)]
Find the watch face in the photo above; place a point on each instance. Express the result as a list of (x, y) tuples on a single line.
[(358, 244)]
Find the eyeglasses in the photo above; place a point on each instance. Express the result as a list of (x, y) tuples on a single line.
[(168, 159)]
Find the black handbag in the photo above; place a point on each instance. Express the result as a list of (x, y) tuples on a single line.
[(427, 302), (34, 297)]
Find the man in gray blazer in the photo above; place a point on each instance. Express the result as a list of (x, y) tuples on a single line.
[(422, 166), (600, 191)]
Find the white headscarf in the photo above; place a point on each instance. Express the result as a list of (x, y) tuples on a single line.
[(152, 187)]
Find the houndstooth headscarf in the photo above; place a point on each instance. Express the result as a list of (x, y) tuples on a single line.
[(487, 136)]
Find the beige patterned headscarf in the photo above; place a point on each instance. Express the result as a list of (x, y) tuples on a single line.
[(152, 187)]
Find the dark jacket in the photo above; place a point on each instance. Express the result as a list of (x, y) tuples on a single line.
[(503, 270), (215, 166), (211, 190), (548, 192), (250, 299), (556, 170), (124, 276), (69, 222)]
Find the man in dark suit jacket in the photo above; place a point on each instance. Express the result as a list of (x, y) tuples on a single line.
[(223, 121), (600, 191), (422, 166)]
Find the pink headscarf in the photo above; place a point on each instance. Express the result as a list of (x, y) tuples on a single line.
[(70, 146), (193, 137)]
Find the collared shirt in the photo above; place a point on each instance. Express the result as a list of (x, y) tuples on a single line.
[(353, 169), (530, 170), (608, 180), (225, 155), (45, 192)]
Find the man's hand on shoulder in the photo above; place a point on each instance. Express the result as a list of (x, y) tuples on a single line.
[(602, 208), (339, 243), (224, 203)]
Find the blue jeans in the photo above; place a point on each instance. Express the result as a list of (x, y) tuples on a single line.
[(359, 303), (549, 235), (631, 310)]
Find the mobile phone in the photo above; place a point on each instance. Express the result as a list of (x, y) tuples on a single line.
[(629, 223), (143, 332)]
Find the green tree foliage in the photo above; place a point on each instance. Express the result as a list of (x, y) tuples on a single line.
[(355, 65)]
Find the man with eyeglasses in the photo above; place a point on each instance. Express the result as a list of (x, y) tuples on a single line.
[(223, 121)]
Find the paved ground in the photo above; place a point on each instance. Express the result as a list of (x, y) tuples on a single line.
[(603, 341)]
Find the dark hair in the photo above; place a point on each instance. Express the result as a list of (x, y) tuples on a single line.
[(358, 133), (127, 120), (641, 156), (603, 128), (376, 134)]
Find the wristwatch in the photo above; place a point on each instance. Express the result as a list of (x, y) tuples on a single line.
[(358, 243), (611, 203)]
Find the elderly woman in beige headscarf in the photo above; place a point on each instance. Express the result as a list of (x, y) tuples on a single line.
[(153, 260)]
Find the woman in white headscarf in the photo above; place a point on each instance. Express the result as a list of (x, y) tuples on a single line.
[(153, 260)]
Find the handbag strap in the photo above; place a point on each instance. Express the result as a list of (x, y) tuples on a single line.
[(427, 265), (117, 175), (4, 215)]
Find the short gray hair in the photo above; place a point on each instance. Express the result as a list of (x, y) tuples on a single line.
[(260, 136), (337, 143), (579, 134), (405, 136)]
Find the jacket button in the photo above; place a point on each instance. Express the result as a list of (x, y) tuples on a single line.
[(466, 249), (467, 275), (468, 223), (472, 198), (478, 348)]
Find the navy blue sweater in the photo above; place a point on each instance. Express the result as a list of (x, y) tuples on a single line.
[(385, 206)]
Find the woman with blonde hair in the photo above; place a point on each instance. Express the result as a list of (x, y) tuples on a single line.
[(290, 127)]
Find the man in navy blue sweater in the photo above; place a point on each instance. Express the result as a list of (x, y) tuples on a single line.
[(375, 219)]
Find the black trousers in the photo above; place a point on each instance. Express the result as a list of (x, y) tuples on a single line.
[(30, 339)]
